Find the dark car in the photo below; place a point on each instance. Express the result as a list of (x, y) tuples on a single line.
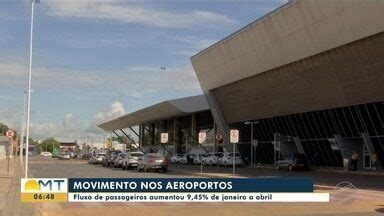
[(293, 162), (152, 162), (109, 159)]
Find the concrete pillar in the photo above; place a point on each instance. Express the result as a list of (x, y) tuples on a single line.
[(215, 143), (174, 137), (222, 125), (345, 149), (140, 135), (193, 130), (153, 138), (299, 146), (368, 142)]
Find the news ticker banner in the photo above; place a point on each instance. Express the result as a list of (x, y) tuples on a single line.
[(170, 190)]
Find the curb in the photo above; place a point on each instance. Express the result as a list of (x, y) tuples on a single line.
[(371, 173)]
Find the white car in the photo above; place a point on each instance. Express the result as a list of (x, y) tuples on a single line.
[(212, 158), (131, 159), (178, 158), (198, 158), (183, 159), (46, 154), (118, 163), (64, 156), (99, 157), (228, 157)]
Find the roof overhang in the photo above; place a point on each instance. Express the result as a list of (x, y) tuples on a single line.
[(295, 31), (159, 111)]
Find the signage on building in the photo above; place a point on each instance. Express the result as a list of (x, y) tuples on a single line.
[(234, 136), (164, 137), (202, 137), (219, 137)]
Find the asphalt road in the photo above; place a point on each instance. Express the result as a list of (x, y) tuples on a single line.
[(54, 168), (43, 167), (365, 202)]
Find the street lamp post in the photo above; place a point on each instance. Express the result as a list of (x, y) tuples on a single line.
[(22, 130), (251, 123), (29, 87)]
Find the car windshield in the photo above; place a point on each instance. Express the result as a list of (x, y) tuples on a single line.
[(137, 154), (154, 156)]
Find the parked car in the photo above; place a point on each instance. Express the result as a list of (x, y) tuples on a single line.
[(198, 158), (46, 154), (293, 162), (64, 156), (212, 158), (191, 158), (228, 157), (176, 158), (152, 162), (118, 162), (131, 159), (110, 158), (99, 157), (183, 159), (91, 160)]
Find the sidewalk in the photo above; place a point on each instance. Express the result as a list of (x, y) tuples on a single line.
[(320, 177), (10, 204), (331, 170)]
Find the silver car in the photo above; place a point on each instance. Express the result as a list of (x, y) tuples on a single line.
[(118, 162), (131, 159), (152, 162)]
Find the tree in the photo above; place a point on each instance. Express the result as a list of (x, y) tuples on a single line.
[(3, 128), (47, 145)]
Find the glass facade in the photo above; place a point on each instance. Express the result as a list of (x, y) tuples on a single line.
[(316, 131), (182, 131)]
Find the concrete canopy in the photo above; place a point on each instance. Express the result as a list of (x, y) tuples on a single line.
[(297, 30), (159, 111), (304, 56)]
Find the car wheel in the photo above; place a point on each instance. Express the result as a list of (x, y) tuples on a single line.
[(290, 167)]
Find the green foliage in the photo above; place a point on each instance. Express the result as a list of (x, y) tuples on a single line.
[(47, 145), (3, 128)]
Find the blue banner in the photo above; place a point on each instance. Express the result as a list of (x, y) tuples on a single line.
[(190, 185)]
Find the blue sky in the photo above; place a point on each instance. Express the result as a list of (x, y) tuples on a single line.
[(97, 60)]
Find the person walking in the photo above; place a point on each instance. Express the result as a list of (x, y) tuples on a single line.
[(354, 158), (374, 160)]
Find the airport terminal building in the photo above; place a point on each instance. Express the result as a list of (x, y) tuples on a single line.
[(181, 118), (309, 75)]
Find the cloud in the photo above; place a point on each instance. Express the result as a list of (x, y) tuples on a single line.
[(116, 109), (191, 45), (143, 79), (43, 130), (8, 117), (131, 13), (99, 43), (68, 120)]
